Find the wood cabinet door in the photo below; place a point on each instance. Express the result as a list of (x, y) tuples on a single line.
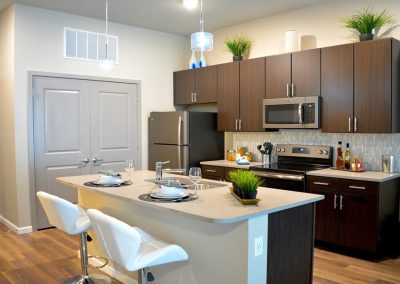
[(228, 96), (358, 222), (277, 75), (372, 86), (184, 87), (326, 217), (306, 73), (252, 93), (206, 85), (337, 89)]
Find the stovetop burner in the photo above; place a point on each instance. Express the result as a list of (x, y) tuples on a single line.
[(298, 159)]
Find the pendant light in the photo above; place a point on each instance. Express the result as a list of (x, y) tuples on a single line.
[(202, 41), (106, 64)]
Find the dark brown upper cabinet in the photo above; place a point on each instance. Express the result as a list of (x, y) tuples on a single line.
[(337, 88), (376, 86), (228, 96), (241, 89), (296, 74), (196, 86), (359, 87)]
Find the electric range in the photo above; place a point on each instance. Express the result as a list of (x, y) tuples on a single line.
[(293, 163)]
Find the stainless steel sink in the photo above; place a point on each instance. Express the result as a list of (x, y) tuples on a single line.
[(187, 183)]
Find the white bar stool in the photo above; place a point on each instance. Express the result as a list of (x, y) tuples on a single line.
[(131, 247), (73, 220)]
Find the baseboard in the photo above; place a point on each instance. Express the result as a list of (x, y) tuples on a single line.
[(13, 227), (112, 272)]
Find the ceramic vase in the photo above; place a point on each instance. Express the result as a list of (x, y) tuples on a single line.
[(202, 61), (193, 61)]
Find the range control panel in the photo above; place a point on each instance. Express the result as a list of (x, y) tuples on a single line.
[(306, 151)]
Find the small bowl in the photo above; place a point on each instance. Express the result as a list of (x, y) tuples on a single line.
[(167, 190), (109, 179)]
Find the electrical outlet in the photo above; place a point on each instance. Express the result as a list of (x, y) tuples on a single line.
[(258, 246)]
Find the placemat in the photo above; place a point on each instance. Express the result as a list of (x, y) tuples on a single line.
[(90, 183), (148, 198)]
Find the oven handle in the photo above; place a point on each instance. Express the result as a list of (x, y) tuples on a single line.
[(278, 175)]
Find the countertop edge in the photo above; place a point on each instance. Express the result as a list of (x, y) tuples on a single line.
[(363, 176)]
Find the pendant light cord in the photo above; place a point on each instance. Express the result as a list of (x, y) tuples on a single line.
[(201, 17)]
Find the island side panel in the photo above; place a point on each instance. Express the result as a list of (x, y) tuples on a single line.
[(291, 245), (217, 252)]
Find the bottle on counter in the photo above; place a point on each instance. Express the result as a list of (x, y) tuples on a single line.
[(339, 159), (347, 157)]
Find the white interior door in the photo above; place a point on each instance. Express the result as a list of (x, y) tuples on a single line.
[(81, 127), (61, 135), (114, 129)]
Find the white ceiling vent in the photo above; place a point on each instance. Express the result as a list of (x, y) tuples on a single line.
[(84, 45)]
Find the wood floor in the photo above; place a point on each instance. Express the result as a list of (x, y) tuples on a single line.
[(44, 257), (50, 256)]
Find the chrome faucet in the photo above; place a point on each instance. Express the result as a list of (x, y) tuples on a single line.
[(160, 170)]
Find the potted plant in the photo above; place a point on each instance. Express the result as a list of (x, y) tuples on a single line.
[(238, 46), (245, 183), (366, 21)]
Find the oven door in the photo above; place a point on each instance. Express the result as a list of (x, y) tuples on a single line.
[(298, 112), (284, 181)]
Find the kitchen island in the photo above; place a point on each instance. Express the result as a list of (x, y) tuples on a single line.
[(226, 241)]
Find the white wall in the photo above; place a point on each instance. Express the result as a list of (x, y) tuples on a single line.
[(324, 21), (145, 55), (8, 201)]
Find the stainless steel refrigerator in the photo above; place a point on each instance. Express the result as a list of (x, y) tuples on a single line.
[(184, 138)]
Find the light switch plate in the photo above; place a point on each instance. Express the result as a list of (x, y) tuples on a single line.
[(258, 246)]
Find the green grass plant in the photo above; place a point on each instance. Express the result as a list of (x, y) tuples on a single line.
[(238, 45), (366, 20), (245, 180)]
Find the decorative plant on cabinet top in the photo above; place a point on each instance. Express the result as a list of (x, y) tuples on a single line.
[(239, 45), (367, 21)]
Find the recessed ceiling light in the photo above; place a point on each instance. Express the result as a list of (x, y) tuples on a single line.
[(190, 4)]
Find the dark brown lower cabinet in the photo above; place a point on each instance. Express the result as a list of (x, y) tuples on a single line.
[(216, 172), (357, 214)]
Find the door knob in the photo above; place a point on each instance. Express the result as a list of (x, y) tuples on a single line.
[(95, 160)]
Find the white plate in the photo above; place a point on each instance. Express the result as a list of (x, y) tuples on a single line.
[(97, 182), (164, 196)]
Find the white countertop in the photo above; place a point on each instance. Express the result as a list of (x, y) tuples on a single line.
[(215, 205), (366, 176), (229, 164)]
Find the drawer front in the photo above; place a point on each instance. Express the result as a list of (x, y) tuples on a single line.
[(322, 184), (359, 187), (212, 172)]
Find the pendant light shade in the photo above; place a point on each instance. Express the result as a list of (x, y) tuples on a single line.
[(106, 64), (202, 41)]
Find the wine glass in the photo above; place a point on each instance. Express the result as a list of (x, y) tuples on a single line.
[(195, 177), (129, 167)]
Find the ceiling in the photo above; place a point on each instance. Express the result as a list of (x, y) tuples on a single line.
[(169, 15)]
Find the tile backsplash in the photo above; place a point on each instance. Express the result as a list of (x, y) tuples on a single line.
[(369, 147)]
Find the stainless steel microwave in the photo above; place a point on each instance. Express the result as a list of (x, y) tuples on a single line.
[(294, 112)]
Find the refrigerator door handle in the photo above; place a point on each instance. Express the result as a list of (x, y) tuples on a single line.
[(179, 141), (179, 129)]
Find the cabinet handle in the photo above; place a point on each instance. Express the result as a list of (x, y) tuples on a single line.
[(236, 124), (240, 124), (321, 183), (287, 90), (335, 202), (355, 124), (95, 160), (195, 97), (211, 171), (86, 160), (357, 187), (349, 124), (192, 97), (293, 91), (341, 202)]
